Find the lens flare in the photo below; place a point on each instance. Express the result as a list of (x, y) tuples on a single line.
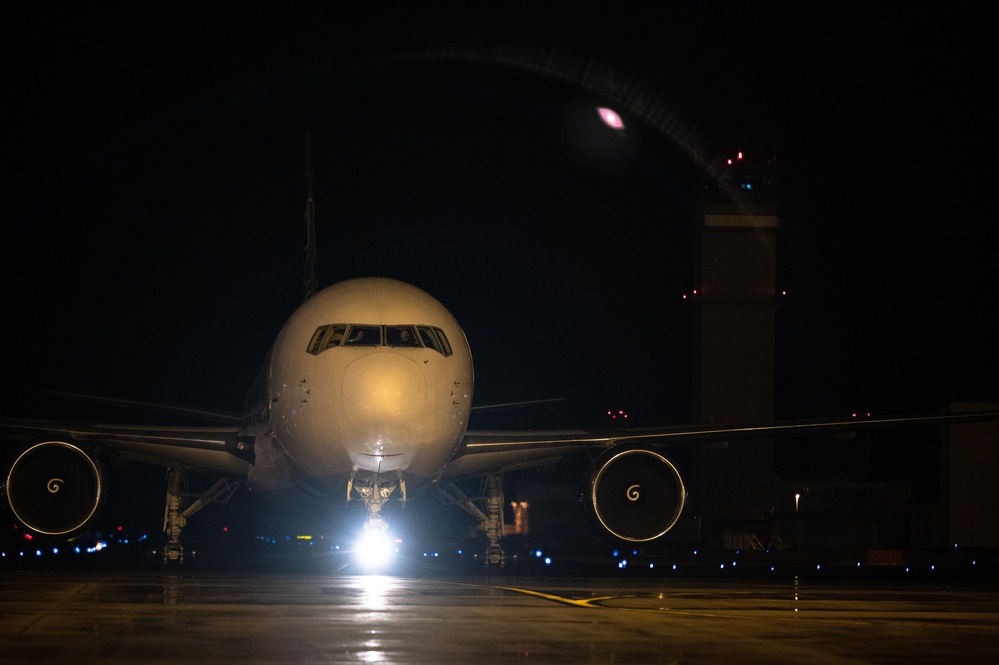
[(610, 118)]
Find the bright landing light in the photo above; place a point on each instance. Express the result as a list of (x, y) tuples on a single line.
[(374, 549)]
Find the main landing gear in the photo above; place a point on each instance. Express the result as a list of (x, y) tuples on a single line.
[(181, 504), (490, 516)]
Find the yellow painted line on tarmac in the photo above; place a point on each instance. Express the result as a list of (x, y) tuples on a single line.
[(578, 602), (595, 602)]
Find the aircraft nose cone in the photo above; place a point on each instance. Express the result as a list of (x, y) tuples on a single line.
[(384, 395)]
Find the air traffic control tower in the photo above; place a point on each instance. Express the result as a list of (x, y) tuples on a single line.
[(732, 489)]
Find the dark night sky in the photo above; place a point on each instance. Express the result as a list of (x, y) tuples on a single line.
[(153, 236)]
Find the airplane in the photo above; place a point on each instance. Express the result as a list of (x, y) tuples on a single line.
[(366, 395)]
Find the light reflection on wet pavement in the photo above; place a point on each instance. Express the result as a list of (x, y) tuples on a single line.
[(260, 618)]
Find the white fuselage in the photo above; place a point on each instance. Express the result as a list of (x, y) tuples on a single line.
[(368, 377)]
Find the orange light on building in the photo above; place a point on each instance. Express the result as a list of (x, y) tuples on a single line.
[(520, 521)]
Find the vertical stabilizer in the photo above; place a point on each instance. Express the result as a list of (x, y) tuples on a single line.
[(311, 268)]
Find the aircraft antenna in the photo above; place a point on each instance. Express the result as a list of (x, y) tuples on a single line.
[(311, 267)]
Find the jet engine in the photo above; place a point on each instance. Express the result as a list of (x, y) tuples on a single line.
[(54, 487), (635, 494)]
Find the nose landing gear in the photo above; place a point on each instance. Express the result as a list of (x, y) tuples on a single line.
[(374, 494)]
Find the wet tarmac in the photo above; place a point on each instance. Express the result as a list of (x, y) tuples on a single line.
[(211, 617)]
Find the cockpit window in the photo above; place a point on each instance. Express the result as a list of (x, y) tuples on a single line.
[(401, 336), (364, 336), (355, 334), (335, 335), (325, 337), (429, 339), (442, 338), (316, 343), (434, 338)]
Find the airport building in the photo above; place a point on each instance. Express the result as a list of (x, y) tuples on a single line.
[(737, 501), (733, 346), (969, 516)]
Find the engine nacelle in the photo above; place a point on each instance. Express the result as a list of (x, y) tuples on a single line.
[(55, 487), (635, 494)]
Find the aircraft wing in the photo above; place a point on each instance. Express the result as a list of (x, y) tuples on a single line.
[(210, 449), (499, 451)]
